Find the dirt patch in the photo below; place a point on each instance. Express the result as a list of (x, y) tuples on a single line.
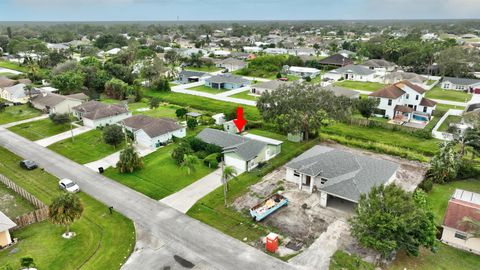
[(12, 204)]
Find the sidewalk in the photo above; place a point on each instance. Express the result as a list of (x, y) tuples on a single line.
[(62, 136), (112, 160), (41, 117), (188, 196)]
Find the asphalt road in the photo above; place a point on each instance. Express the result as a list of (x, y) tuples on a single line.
[(162, 232)]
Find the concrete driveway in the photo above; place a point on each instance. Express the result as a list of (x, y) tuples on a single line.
[(175, 233), (41, 117), (62, 136), (183, 89), (188, 196)]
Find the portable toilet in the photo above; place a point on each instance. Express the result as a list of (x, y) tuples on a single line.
[(271, 242)]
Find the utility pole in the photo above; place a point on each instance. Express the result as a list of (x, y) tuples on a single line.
[(71, 124)]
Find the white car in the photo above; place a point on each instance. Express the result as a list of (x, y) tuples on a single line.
[(68, 185)]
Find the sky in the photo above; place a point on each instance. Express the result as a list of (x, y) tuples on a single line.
[(211, 10)]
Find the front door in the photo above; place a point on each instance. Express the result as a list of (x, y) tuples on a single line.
[(308, 179)]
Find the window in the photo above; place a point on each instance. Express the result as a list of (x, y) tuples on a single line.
[(408, 96), (389, 102), (424, 109), (461, 235), (416, 97), (295, 173), (446, 86), (323, 180)]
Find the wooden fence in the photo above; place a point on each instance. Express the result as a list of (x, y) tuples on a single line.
[(40, 214)]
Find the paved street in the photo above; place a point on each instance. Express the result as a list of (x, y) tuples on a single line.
[(187, 197), (168, 232)]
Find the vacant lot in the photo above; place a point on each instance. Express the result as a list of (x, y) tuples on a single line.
[(245, 95), (17, 113), (39, 129), (451, 119), (103, 241), (452, 95), (365, 86), (161, 176), (12, 204), (85, 148)]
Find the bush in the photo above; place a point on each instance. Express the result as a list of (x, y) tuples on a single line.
[(308, 79), (467, 169), (59, 119), (192, 123), (180, 151), (201, 154), (181, 112), (211, 160), (426, 185)]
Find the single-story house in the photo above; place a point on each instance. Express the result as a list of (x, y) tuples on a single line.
[(380, 66), (351, 73), (461, 84), (303, 71), (5, 225), (96, 114), (267, 86), (189, 76), (336, 60), (404, 101), (226, 81), (7, 82), (244, 153), (341, 91), (275, 51), (337, 173), (219, 118), (462, 204), (221, 53), (55, 103), (347, 53), (399, 76), (152, 132), (252, 49), (231, 64), (17, 93), (304, 51)]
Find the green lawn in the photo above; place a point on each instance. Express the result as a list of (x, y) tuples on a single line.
[(451, 95), (206, 89), (6, 74), (451, 119), (245, 95), (210, 209), (103, 241), (204, 104), (86, 147), (39, 129), (13, 66), (167, 111), (343, 261), (388, 137), (12, 204), (203, 68), (365, 86), (161, 176), (445, 107), (17, 113)]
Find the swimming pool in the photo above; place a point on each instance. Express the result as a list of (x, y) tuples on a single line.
[(420, 118)]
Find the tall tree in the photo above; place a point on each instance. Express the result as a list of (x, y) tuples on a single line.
[(302, 108), (228, 173), (116, 89), (367, 106), (130, 160), (65, 209), (390, 219), (444, 165), (113, 135)]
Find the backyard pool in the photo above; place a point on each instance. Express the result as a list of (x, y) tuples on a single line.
[(420, 118)]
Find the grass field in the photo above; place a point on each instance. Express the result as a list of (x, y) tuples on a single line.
[(161, 176), (244, 95), (452, 95), (85, 148), (39, 129), (451, 119), (343, 261), (103, 241), (394, 138), (446, 107), (13, 66), (210, 209), (365, 86), (206, 89), (204, 104), (204, 68), (17, 113), (12, 204)]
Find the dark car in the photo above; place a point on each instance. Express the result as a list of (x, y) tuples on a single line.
[(28, 164)]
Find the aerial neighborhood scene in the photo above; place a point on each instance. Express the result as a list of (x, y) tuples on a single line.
[(224, 135)]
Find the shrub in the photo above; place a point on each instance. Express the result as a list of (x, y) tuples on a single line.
[(211, 160), (308, 79), (181, 151), (201, 154), (426, 185), (192, 123), (181, 112), (59, 119)]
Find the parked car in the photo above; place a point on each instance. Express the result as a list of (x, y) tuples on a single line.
[(28, 164), (68, 185)]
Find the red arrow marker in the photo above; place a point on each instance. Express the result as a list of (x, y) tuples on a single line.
[(240, 122)]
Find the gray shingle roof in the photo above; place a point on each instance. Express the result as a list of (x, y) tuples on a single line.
[(356, 69), (97, 110), (340, 91), (349, 175), (154, 127), (460, 81), (191, 73), (246, 148), (378, 63), (227, 78), (271, 85)]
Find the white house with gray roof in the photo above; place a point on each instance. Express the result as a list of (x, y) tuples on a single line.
[(226, 81), (244, 153), (337, 173), (190, 76), (461, 84), (351, 73)]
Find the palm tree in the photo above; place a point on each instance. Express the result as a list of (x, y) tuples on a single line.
[(470, 139), (129, 160), (228, 173), (65, 210), (473, 226), (189, 161)]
